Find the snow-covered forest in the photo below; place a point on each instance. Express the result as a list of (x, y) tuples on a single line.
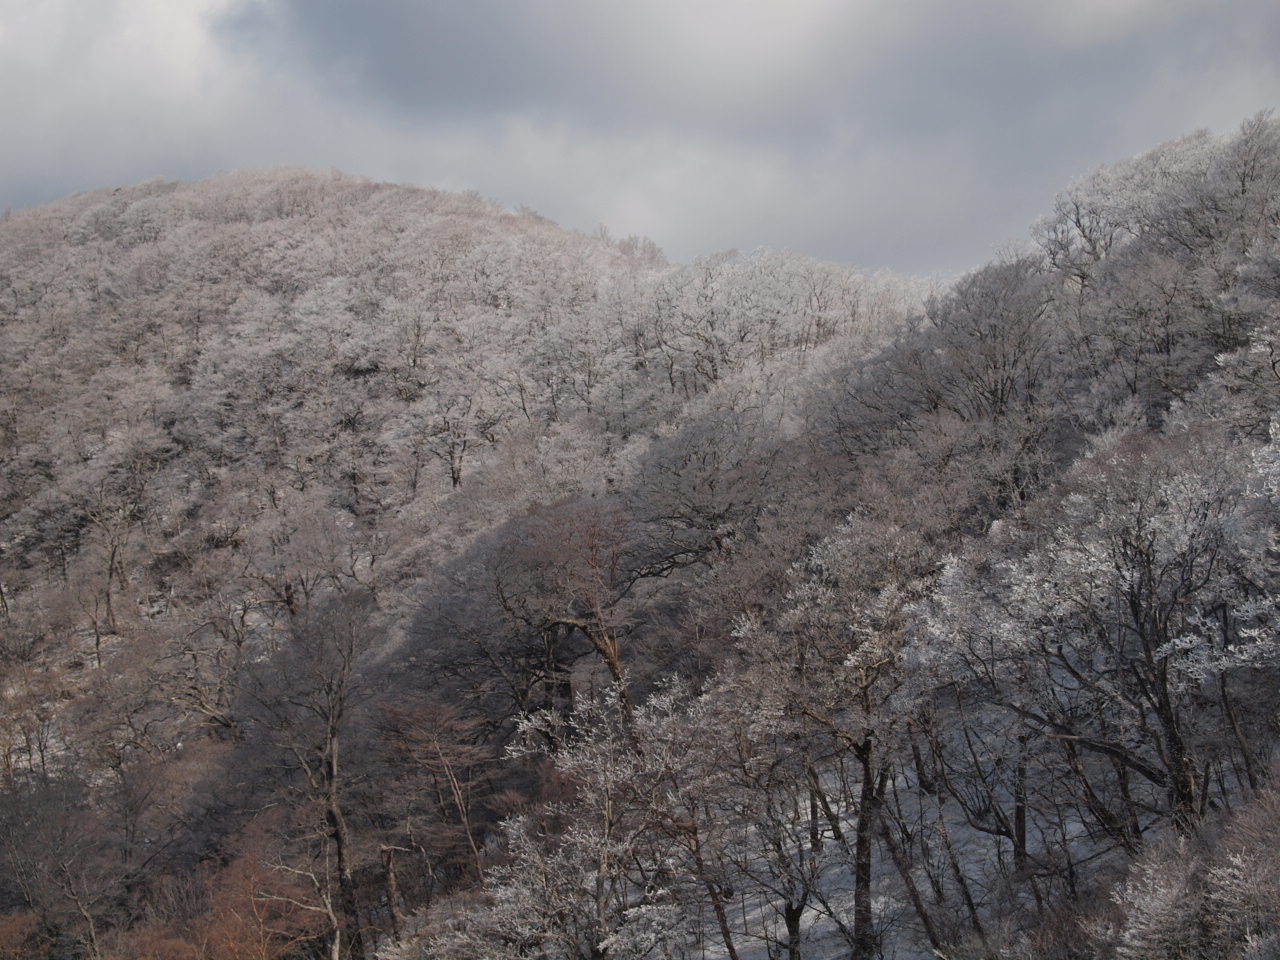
[(385, 574)]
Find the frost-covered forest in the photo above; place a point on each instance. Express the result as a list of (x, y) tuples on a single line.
[(384, 574)]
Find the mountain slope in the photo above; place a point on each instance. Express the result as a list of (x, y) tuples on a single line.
[(384, 571)]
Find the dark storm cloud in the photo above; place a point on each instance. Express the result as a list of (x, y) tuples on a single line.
[(999, 103), (434, 61), (946, 69), (919, 135), (602, 65)]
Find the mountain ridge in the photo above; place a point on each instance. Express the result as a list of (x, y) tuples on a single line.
[(396, 575)]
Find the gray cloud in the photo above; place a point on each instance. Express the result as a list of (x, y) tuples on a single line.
[(918, 135)]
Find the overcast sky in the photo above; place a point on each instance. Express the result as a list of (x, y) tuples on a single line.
[(918, 135)]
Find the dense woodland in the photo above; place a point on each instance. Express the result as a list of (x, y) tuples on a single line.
[(387, 575)]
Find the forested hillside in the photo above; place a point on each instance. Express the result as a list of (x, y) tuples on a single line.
[(386, 574)]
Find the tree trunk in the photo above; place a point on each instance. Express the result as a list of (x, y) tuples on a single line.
[(791, 914), (393, 890), (864, 945), (1020, 807), (903, 867), (342, 850), (713, 893)]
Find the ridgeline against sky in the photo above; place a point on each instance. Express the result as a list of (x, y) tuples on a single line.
[(918, 135), (389, 575)]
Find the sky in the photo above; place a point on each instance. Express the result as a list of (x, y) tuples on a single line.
[(922, 136)]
